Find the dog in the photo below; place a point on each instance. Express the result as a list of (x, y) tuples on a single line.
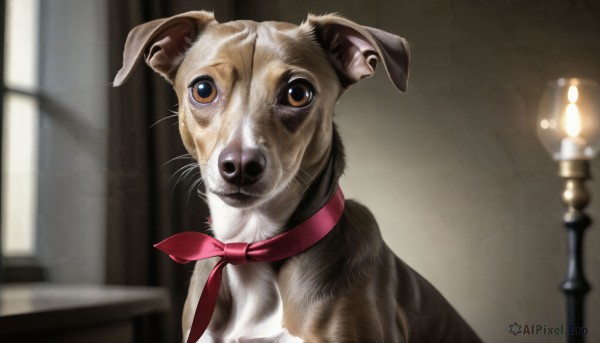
[(256, 107)]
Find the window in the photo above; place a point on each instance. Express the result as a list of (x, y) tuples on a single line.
[(55, 139), (20, 129)]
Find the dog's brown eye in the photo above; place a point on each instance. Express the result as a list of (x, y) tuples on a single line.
[(204, 91), (298, 94)]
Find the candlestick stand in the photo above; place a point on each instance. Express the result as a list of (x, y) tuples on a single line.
[(576, 197)]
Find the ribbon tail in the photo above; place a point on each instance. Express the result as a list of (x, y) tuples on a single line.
[(179, 260), (188, 246), (207, 303)]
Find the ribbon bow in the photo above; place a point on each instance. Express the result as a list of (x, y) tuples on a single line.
[(191, 246)]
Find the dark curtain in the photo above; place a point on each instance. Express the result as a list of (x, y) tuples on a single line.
[(144, 204)]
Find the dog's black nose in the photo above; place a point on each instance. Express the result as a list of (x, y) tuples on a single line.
[(241, 167)]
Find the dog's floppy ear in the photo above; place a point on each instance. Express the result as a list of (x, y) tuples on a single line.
[(354, 50), (163, 43)]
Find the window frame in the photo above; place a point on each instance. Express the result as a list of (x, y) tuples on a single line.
[(21, 268), (2, 35)]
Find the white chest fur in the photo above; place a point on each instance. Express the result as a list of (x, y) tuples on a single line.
[(257, 312)]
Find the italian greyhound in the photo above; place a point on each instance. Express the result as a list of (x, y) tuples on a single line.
[(256, 107)]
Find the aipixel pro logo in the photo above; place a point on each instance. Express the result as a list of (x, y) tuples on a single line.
[(516, 329)]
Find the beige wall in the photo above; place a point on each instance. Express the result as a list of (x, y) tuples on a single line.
[(453, 170)]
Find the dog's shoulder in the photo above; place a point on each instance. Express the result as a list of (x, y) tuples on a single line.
[(345, 256), (327, 287), (358, 216), (359, 228)]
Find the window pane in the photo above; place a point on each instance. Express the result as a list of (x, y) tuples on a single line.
[(21, 50), (20, 129), (19, 175)]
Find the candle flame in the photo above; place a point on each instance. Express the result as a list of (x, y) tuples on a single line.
[(573, 94), (572, 120)]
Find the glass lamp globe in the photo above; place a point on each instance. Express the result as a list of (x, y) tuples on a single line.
[(569, 119)]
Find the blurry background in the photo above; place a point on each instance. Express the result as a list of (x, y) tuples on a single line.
[(453, 170)]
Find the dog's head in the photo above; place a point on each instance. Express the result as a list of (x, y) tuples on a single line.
[(256, 99)]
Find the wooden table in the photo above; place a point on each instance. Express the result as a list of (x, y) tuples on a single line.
[(42, 312)]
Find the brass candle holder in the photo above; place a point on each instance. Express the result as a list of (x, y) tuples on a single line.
[(576, 197), (569, 127)]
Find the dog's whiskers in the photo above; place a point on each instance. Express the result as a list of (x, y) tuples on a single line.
[(288, 187), (185, 173), (305, 173), (298, 176), (195, 185), (162, 119), (180, 157)]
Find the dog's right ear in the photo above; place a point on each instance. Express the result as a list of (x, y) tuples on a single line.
[(355, 50), (163, 43)]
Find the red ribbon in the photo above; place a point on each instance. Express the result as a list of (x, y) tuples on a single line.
[(191, 246)]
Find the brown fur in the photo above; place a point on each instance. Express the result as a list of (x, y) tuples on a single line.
[(349, 287)]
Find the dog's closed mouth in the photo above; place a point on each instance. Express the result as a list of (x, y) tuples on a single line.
[(236, 198)]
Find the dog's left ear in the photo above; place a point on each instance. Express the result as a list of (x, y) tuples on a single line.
[(163, 43), (354, 49)]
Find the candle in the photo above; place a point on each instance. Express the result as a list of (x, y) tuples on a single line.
[(572, 147)]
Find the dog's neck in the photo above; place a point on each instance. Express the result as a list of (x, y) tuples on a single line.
[(231, 224), (324, 186)]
